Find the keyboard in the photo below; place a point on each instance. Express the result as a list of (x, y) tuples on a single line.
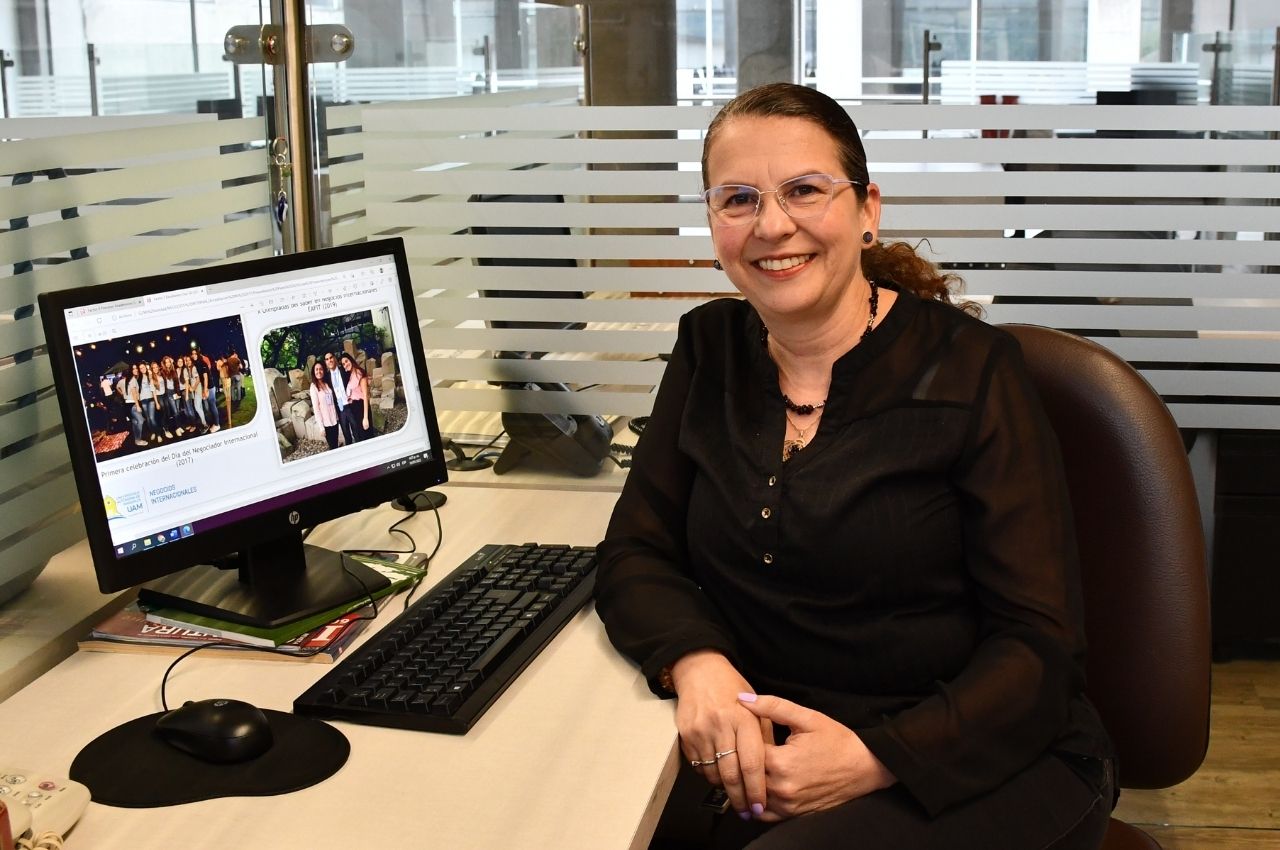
[(443, 662)]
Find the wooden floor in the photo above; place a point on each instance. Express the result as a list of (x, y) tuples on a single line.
[(1233, 801)]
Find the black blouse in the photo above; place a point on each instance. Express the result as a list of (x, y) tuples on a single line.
[(911, 573)]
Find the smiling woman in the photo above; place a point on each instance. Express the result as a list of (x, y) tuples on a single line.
[(845, 545)]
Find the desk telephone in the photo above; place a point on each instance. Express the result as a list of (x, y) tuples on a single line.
[(575, 442), (38, 803)]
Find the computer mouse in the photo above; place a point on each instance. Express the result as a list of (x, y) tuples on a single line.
[(220, 731)]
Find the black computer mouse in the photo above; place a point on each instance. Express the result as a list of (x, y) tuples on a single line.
[(220, 731)]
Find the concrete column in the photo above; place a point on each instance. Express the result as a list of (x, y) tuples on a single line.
[(766, 42), (881, 21), (633, 51), (379, 28)]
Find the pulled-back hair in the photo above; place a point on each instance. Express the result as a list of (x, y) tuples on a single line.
[(893, 261)]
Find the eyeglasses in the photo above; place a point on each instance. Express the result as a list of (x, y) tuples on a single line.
[(807, 196)]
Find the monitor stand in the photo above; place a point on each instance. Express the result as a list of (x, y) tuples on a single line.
[(268, 585), (420, 500)]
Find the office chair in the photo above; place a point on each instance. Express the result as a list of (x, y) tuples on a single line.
[(1142, 554)]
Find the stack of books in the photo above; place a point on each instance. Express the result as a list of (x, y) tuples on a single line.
[(321, 638)]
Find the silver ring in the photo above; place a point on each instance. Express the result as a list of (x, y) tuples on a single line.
[(728, 752), (701, 763)]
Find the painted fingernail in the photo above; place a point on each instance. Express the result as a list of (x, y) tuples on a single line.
[(757, 809), (747, 697), (745, 815)]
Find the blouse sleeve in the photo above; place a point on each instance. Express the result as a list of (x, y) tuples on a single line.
[(652, 609), (1012, 699)]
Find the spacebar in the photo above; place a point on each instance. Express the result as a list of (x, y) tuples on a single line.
[(497, 652)]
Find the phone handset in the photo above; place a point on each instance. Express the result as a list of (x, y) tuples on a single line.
[(40, 803)]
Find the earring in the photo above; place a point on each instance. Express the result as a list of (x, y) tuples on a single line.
[(868, 237), (715, 264)]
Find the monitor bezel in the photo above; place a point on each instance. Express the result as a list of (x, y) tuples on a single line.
[(303, 512)]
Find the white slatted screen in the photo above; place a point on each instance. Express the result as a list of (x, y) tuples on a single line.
[(1151, 229), (90, 200)]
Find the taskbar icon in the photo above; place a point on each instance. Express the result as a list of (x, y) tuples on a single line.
[(152, 541)]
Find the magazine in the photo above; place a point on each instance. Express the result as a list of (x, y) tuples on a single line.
[(129, 630)]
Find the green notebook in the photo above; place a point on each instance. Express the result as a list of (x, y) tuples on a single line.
[(400, 576)]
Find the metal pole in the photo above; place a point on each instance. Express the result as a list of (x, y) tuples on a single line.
[(929, 46), (583, 45), (1216, 48), (5, 64), (797, 27), (93, 79), (195, 44), (293, 112), (1275, 73), (490, 74)]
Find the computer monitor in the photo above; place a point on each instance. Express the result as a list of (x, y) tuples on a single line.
[(208, 430)]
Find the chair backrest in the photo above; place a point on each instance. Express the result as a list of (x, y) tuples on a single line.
[(1142, 554)]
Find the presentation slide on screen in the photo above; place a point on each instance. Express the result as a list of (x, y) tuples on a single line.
[(207, 402)]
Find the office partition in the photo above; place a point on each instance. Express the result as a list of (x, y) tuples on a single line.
[(1149, 228), (90, 200)]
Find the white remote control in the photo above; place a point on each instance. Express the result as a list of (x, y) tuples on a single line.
[(41, 803)]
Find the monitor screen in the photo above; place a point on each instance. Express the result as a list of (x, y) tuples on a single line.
[(215, 414)]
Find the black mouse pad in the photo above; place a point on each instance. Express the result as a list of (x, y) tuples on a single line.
[(129, 766)]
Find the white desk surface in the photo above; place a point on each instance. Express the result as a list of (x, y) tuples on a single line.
[(576, 754)]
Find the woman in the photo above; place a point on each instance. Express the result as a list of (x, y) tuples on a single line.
[(192, 393), (133, 392), (224, 381), (159, 403), (357, 409), (169, 372), (322, 402), (845, 545)]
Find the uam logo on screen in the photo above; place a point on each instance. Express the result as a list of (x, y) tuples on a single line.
[(124, 506)]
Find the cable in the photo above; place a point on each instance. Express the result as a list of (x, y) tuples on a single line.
[(43, 841), (412, 588)]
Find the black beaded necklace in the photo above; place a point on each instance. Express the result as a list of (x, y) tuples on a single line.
[(873, 301)]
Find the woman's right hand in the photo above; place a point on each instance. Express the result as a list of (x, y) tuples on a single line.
[(711, 720)]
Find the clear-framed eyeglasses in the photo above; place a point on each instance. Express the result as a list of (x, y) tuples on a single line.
[(806, 196)]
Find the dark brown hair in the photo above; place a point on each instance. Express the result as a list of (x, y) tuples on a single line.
[(892, 261)]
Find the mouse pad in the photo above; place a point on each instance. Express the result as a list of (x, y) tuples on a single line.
[(129, 766)]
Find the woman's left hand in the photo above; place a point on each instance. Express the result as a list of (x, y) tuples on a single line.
[(822, 764)]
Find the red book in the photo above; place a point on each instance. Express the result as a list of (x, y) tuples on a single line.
[(129, 630)]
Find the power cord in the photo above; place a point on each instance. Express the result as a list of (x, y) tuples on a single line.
[(412, 588), (43, 841)]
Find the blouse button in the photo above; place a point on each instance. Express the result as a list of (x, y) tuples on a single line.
[(773, 479), (768, 557), (766, 513)]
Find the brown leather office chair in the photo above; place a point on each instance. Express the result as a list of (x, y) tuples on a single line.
[(1142, 559)]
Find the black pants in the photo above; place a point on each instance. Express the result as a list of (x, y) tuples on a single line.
[(1057, 803), (344, 421), (354, 425)]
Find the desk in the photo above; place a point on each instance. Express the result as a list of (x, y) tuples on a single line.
[(576, 754)]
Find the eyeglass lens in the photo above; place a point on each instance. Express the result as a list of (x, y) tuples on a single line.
[(799, 197)]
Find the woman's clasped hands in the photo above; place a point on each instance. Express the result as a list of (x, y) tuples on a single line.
[(721, 738), (726, 733), (822, 764)]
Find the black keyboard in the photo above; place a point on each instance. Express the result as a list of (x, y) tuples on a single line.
[(440, 665)]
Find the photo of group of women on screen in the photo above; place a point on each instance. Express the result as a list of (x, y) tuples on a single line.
[(167, 385), (343, 369)]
